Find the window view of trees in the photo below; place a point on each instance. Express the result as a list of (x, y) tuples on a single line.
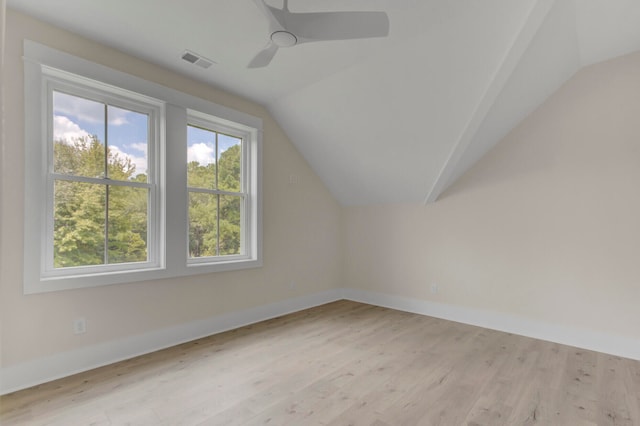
[(86, 214), (99, 150), (102, 190), (215, 196)]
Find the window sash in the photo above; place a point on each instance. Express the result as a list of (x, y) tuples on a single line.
[(243, 231), (53, 271)]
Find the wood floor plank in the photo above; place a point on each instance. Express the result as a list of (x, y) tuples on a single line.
[(345, 363), (616, 402), (499, 396)]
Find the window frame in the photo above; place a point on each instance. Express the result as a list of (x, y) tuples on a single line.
[(210, 123), (62, 82), (175, 109)]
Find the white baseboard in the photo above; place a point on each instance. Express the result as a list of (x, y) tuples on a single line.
[(571, 336), (35, 372), (38, 371)]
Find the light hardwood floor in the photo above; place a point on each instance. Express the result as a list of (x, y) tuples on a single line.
[(345, 363)]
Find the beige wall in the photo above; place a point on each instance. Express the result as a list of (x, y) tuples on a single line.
[(301, 230), (546, 226)]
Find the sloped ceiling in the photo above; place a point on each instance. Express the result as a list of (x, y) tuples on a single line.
[(386, 120)]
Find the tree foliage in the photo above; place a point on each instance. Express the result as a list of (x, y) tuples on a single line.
[(96, 223), (92, 218), (214, 219)]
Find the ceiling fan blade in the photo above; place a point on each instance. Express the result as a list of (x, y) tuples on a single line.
[(264, 57), (274, 15), (320, 26)]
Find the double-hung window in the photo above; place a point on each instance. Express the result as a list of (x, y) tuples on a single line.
[(217, 188), (127, 180), (102, 211)]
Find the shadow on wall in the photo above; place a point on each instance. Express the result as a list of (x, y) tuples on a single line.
[(517, 157), (585, 131)]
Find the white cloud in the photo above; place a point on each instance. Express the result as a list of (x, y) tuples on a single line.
[(142, 146), (87, 110), (66, 130), (202, 153)]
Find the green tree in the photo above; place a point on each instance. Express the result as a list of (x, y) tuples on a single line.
[(214, 220), (87, 213)]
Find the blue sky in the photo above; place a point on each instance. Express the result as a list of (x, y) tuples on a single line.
[(75, 117)]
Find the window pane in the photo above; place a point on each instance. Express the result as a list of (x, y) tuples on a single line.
[(79, 217), (203, 229), (78, 136), (229, 225), (128, 134), (201, 157), (229, 160), (127, 224)]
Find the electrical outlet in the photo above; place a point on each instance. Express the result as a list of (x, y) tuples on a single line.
[(434, 288), (292, 285), (79, 326)]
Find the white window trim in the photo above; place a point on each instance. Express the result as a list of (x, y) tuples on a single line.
[(56, 80), (212, 123), (172, 256)]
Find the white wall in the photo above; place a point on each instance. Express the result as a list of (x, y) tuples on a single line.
[(301, 231), (546, 227), (3, 11)]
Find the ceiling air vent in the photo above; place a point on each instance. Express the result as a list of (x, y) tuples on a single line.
[(197, 59)]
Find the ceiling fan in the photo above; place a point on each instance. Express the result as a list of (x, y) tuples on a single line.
[(288, 29)]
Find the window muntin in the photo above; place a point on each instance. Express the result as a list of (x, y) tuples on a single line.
[(216, 184)]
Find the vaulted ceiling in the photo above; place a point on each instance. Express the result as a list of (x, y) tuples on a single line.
[(380, 120)]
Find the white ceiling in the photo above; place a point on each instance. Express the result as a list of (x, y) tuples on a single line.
[(393, 119)]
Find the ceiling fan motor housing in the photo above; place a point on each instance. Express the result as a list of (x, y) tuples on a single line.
[(283, 39)]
